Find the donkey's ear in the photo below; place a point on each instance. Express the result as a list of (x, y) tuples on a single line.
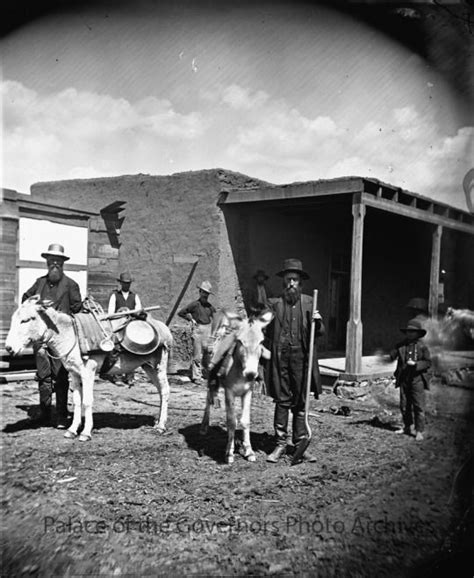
[(32, 299), (45, 303)]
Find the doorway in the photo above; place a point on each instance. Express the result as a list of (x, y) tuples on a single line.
[(339, 288)]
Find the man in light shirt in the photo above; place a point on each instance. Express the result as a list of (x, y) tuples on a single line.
[(123, 298)]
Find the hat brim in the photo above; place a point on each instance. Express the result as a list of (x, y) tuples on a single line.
[(422, 332), (261, 275), (205, 290), (124, 280), (303, 274), (55, 254)]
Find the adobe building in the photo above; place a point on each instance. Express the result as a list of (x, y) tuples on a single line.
[(368, 246)]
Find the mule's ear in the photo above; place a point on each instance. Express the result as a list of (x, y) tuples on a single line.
[(32, 299), (265, 318), (266, 353), (45, 303)]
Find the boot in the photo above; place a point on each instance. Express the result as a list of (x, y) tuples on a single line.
[(300, 433), (44, 417), (62, 390), (281, 433), (45, 387)]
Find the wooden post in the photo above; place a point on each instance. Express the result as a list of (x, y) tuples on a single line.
[(354, 325), (434, 273)]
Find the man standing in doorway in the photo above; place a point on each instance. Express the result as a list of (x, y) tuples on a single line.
[(260, 293), (65, 295), (200, 313), (289, 336)]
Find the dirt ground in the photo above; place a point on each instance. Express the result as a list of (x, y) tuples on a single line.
[(133, 502)]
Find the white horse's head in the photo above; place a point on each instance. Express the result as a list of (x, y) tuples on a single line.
[(249, 346), (28, 325)]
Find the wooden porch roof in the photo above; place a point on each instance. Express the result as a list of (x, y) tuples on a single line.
[(370, 192)]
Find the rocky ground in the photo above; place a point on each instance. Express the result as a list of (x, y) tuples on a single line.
[(135, 502)]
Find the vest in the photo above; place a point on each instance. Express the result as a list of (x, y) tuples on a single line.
[(121, 302)]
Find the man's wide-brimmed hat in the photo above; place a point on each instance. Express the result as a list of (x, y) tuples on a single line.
[(293, 266), (125, 277), (205, 286), (414, 325), (260, 273), (55, 250)]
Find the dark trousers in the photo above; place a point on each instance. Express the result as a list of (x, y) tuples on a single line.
[(412, 404), (292, 395), (293, 368), (52, 376)]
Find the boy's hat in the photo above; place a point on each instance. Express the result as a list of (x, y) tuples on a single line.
[(418, 303), (414, 325)]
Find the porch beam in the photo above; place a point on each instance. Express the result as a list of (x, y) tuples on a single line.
[(415, 213), (434, 271), (354, 325)]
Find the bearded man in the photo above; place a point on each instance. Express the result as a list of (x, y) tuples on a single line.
[(65, 296), (289, 336)]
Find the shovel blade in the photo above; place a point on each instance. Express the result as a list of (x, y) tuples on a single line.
[(300, 449)]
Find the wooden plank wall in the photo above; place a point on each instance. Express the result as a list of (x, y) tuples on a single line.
[(8, 281)]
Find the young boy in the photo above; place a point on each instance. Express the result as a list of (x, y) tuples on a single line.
[(413, 361)]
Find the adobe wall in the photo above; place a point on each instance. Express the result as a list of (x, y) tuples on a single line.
[(169, 220)]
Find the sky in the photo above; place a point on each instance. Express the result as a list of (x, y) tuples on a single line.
[(280, 91)]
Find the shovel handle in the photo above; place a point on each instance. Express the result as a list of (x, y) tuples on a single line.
[(304, 443), (310, 361)]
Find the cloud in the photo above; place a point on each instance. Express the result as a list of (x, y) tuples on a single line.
[(242, 98), (78, 134), (72, 133), (277, 142)]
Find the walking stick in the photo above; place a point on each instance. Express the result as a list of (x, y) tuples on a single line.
[(303, 444)]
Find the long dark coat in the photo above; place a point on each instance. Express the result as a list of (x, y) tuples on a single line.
[(68, 299), (272, 374)]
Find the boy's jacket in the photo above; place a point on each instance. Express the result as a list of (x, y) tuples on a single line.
[(408, 374)]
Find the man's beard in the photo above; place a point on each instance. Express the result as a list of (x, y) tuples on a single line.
[(291, 295), (55, 274)]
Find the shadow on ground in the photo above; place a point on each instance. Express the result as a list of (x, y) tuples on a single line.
[(377, 423), (213, 444), (102, 420)]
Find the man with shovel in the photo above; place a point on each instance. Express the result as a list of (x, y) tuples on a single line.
[(292, 370)]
